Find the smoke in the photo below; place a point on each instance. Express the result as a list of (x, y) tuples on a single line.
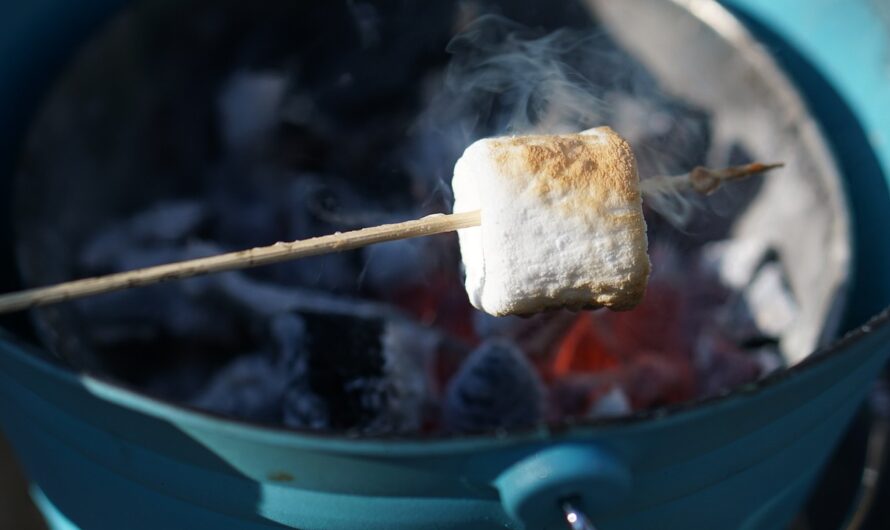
[(502, 78), (528, 83), (672, 202), (505, 78)]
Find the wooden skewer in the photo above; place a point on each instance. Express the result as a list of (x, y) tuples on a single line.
[(338, 242), (243, 259), (703, 180)]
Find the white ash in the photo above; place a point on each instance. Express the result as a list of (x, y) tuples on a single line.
[(614, 403), (409, 351), (735, 261), (763, 306), (771, 301)]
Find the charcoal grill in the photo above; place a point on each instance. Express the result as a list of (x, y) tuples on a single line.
[(105, 456)]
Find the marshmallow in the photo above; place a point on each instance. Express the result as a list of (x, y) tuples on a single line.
[(562, 223)]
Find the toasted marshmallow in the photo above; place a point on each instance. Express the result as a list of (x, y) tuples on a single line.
[(562, 223)]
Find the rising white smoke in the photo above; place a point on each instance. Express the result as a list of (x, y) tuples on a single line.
[(505, 78)]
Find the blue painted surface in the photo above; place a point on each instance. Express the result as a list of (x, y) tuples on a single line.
[(55, 519), (848, 42), (108, 458)]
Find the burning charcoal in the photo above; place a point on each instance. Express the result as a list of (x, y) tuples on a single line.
[(643, 381), (496, 387), (250, 387), (661, 324), (582, 348), (535, 335), (644, 352), (437, 302)]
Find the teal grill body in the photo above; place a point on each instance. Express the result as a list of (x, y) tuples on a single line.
[(105, 457)]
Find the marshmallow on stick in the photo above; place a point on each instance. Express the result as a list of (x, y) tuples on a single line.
[(545, 222), (561, 223)]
